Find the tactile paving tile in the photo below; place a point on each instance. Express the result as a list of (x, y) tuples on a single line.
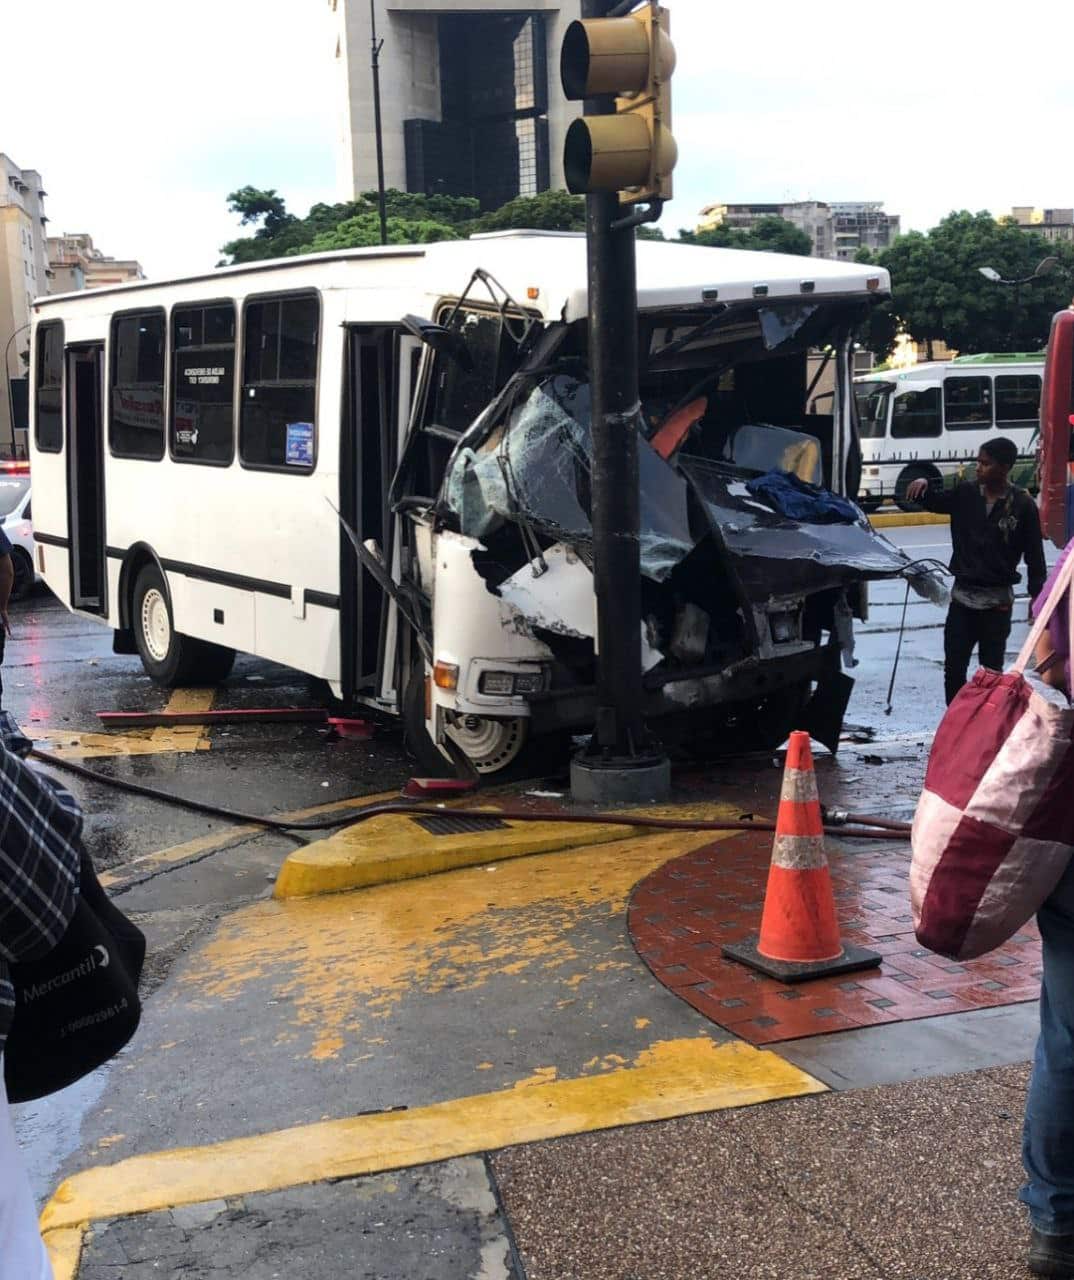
[(682, 914)]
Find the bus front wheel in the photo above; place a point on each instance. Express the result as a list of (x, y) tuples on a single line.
[(169, 658), (494, 746)]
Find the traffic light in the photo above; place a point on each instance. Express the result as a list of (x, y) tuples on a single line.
[(633, 151)]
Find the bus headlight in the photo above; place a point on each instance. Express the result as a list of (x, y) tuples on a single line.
[(508, 683)]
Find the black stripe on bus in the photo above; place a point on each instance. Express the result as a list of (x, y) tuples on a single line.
[(218, 576)]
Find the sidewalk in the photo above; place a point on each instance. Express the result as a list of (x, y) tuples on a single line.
[(475, 1074)]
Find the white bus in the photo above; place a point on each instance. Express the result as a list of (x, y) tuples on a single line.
[(931, 419), (192, 443)]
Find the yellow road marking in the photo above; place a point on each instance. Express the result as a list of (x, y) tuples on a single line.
[(218, 840), (75, 745), (336, 966), (65, 1250), (175, 737), (903, 519), (672, 1078)]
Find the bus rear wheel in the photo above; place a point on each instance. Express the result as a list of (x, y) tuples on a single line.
[(169, 658)]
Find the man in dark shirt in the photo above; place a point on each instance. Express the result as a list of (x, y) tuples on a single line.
[(994, 525)]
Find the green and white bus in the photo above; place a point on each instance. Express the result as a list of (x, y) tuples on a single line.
[(931, 419)]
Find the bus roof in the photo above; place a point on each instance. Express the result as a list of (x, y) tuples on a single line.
[(670, 275), (1001, 357), (934, 371)]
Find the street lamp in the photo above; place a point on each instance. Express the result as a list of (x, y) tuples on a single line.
[(1041, 269), (8, 379)]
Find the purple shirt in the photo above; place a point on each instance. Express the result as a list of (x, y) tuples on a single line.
[(1058, 634)]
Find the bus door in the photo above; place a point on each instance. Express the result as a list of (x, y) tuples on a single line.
[(85, 476), (1056, 434)]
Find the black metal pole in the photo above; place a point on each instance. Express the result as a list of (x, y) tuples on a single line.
[(378, 129), (619, 742)]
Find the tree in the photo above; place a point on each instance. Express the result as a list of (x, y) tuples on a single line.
[(939, 294), (767, 235), (548, 211), (412, 219)]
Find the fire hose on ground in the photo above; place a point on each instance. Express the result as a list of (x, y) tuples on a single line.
[(836, 821)]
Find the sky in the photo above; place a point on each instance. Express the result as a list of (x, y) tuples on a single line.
[(141, 117)]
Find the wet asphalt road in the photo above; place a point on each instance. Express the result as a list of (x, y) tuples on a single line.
[(59, 671)]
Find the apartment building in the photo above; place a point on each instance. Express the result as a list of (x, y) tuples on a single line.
[(23, 275), (836, 229), (1051, 224), (76, 264)]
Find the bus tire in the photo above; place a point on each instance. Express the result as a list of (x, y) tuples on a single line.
[(906, 477), (430, 759), (24, 574), (496, 747), (169, 658), (211, 663)]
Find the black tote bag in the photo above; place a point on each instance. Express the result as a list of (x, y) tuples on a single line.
[(77, 1006)]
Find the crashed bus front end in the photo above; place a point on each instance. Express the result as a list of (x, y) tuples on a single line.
[(753, 564)]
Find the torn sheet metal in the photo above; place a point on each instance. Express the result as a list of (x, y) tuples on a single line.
[(534, 470), (562, 600), (772, 556)]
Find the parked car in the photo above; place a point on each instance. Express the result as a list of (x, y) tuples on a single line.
[(15, 516)]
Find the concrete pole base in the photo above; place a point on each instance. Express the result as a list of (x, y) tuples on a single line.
[(608, 783)]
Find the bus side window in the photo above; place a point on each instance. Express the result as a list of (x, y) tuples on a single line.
[(1017, 399), (48, 395), (136, 420), (202, 409), (967, 403), (279, 387), (916, 413)]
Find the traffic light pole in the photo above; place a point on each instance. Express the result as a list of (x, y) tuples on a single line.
[(618, 765)]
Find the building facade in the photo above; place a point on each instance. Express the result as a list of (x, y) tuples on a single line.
[(470, 97), (811, 216), (861, 224), (23, 275), (835, 229), (1051, 224), (76, 264)]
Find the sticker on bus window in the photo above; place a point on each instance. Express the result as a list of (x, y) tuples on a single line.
[(299, 444)]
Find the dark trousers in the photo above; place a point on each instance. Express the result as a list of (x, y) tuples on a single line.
[(966, 629)]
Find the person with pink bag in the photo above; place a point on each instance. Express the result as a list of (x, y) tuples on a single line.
[(1048, 1137)]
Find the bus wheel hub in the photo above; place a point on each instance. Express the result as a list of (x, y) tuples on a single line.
[(489, 745), (156, 627)]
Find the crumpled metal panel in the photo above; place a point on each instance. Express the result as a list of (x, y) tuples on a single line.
[(772, 556), (535, 470)]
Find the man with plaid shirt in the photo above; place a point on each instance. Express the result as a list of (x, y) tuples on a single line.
[(40, 834)]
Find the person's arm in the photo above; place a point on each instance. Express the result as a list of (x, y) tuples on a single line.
[(40, 854), (939, 501), (1049, 666), (1033, 548)]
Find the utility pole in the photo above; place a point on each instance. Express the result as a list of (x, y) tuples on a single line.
[(377, 45), (618, 765)]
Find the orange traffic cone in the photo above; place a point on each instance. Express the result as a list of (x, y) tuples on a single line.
[(799, 936)]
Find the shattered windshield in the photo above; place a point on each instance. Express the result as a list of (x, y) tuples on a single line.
[(536, 467)]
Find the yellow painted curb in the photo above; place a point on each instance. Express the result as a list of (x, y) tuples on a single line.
[(64, 1247), (394, 848), (672, 1078), (900, 519)]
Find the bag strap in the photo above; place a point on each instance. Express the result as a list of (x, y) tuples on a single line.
[(1061, 588)]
